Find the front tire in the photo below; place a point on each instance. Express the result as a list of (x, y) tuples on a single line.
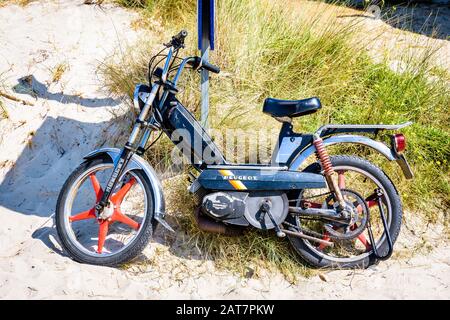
[(320, 259), (71, 241)]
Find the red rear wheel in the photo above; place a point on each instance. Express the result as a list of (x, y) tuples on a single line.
[(362, 178)]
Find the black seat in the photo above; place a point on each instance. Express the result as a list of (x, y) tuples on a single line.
[(291, 108)]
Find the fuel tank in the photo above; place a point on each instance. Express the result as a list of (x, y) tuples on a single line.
[(258, 179)]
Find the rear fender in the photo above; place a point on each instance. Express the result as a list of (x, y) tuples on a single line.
[(380, 147)]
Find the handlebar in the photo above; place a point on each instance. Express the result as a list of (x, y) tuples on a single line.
[(210, 67), (178, 42), (174, 45), (197, 62)]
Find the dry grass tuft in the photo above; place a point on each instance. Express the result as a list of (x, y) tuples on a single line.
[(4, 113), (58, 71)]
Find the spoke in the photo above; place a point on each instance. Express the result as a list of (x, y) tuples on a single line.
[(364, 241), (326, 238), (120, 217), (102, 232), (372, 200), (362, 238), (88, 214), (341, 179), (117, 198), (372, 203), (310, 204), (96, 185)]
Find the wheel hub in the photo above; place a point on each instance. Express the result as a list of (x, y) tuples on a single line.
[(355, 213), (108, 211), (110, 214)]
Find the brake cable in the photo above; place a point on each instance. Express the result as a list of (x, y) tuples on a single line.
[(153, 142), (150, 63)]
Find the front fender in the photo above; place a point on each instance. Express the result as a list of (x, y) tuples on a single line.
[(361, 140), (137, 162)]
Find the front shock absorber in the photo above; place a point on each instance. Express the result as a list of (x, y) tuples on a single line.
[(325, 162)]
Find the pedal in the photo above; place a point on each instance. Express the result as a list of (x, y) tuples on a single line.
[(280, 234), (265, 207)]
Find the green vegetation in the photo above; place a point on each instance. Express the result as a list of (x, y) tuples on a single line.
[(267, 48)]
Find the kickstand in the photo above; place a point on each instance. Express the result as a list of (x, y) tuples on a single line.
[(379, 194)]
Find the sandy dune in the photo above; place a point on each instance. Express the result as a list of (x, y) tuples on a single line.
[(41, 144)]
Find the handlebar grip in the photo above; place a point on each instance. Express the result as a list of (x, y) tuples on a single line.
[(198, 63), (210, 67), (181, 35)]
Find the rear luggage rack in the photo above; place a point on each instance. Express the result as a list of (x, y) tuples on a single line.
[(349, 128)]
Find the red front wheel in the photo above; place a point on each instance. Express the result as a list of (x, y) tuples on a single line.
[(124, 227)]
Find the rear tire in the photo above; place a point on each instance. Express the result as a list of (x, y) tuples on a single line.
[(137, 244), (313, 257)]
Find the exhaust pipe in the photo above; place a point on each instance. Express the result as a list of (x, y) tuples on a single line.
[(209, 225)]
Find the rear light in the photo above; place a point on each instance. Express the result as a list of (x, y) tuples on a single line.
[(399, 142)]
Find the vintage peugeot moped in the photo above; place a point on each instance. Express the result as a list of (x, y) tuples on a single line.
[(339, 211)]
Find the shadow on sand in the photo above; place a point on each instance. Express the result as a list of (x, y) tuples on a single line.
[(31, 86), (53, 151), (56, 148)]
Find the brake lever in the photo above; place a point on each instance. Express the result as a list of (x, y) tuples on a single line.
[(177, 40), (175, 43)]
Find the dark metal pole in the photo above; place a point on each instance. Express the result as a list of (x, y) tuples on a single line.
[(206, 35), (205, 82)]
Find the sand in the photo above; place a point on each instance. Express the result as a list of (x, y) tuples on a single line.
[(41, 144)]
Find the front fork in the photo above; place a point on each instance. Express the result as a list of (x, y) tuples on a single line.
[(119, 167), (129, 150)]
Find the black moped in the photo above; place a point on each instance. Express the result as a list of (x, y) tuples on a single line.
[(339, 211)]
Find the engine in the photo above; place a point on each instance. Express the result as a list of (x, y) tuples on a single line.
[(249, 195), (244, 208)]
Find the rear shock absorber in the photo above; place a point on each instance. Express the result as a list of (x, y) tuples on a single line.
[(325, 162)]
